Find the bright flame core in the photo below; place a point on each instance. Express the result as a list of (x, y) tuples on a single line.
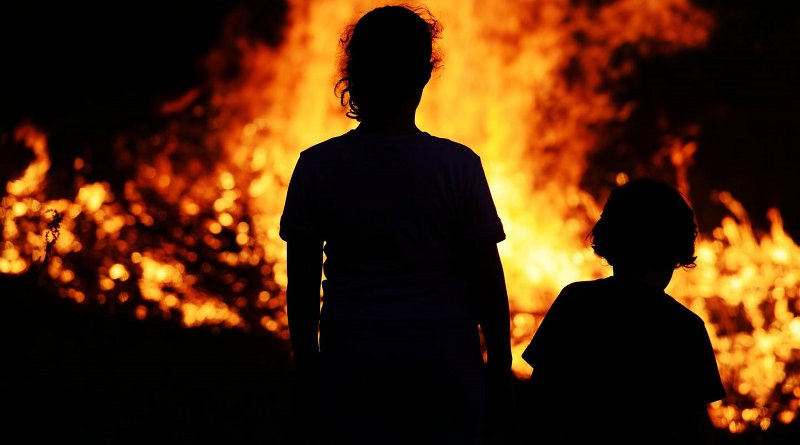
[(502, 91)]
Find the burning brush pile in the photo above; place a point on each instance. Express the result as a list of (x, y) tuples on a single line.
[(189, 233)]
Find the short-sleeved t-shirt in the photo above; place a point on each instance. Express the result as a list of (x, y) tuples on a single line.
[(627, 351), (393, 212)]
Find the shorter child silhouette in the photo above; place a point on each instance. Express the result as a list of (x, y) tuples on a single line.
[(617, 360)]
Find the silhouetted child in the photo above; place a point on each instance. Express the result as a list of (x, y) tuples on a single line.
[(412, 272), (617, 360)]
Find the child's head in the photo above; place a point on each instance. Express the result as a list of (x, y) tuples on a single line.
[(389, 55), (646, 224)]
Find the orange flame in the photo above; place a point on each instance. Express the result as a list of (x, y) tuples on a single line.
[(196, 236)]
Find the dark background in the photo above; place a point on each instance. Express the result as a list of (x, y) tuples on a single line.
[(86, 72)]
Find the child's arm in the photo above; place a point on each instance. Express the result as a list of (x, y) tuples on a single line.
[(304, 270), (492, 305), (484, 272)]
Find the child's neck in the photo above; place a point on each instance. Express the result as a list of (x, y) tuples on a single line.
[(659, 278)]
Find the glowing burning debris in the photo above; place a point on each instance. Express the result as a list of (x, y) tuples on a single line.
[(746, 288), (33, 177), (194, 234)]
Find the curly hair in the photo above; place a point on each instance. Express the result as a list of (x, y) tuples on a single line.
[(387, 53), (646, 223)]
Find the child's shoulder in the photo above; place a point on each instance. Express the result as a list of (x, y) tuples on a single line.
[(583, 287), (580, 293)]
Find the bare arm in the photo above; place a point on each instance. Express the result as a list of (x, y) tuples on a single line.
[(485, 271), (304, 271)]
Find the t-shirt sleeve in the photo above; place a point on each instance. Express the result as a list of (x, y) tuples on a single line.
[(300, 218), (548, 340), (708, 384), (477, 212)]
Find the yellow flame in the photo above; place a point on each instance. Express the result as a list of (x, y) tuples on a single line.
[(502, 92), (33, 177)]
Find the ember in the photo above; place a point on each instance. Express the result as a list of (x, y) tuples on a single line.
[(217, 180)]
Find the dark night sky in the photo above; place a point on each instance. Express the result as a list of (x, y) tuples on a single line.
[(85, 73)]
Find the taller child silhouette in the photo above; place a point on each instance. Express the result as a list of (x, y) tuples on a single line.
[(409, 231), (617, 360)]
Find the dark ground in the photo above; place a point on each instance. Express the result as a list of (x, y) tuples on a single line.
[(71, 374)]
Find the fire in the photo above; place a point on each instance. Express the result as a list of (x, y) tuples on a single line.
[(193, 235)]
